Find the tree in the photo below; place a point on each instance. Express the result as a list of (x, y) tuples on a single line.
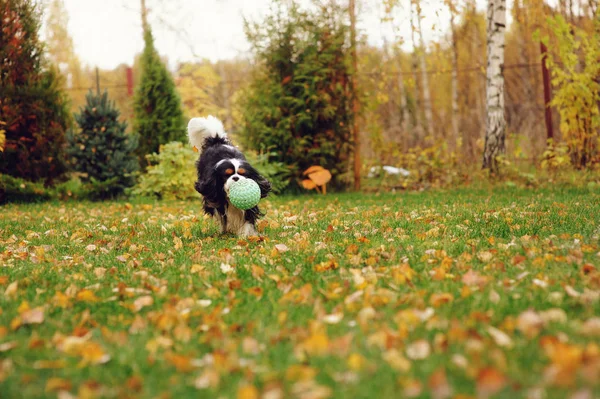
[(198, 85), (101, 150), (32, 106), (158, 117), (453, 38), (299, 102), (61, 53), (426, 94), (354, 93), (496, 124)]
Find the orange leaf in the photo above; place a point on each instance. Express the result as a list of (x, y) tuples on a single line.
[(440, 299), (256, 291), (182, 363), (489, 382), (438, 384)]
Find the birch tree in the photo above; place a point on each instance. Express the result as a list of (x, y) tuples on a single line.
[(455, 112), (496, 124)]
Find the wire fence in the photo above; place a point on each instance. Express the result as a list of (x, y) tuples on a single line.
[(382, 73)]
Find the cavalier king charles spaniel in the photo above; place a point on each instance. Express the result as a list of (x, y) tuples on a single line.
[(220, 164)]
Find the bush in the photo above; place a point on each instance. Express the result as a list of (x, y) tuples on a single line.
[(15, 189), (101, 151), (171, 173), (299, 100), (276, 172), (575, 70)]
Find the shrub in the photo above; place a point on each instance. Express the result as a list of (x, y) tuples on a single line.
[(101, 151), (299, 100), (15, 189), (170, 175), (575, 70), (276, 172)]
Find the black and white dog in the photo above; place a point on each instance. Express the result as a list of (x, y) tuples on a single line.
[(220, 164)]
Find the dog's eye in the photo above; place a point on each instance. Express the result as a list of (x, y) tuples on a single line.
[(229, 171), (241, 171)]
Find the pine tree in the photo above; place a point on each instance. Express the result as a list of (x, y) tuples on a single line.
[(101, 150), (33, 109), (157, 109), (298, 107)]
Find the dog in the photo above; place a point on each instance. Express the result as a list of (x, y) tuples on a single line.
[(219, 165)]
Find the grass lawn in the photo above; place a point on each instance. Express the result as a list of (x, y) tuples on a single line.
[(437, 294)]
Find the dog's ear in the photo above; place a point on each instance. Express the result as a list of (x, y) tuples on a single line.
[(208, 187), (264, 185)]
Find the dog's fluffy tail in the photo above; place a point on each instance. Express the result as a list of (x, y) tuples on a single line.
[(199, 129)]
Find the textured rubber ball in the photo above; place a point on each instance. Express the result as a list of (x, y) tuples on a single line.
[(244, 194)]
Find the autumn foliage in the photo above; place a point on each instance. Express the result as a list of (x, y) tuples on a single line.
[(32, 107)]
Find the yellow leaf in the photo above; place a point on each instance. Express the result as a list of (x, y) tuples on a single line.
[(300, 372), (247, 392), (356, 361), (57, 384), (316, 344), (86, 296)]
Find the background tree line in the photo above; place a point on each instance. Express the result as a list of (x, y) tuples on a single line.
[(423, 109)]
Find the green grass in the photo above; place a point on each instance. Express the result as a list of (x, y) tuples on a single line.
[(265, 324)]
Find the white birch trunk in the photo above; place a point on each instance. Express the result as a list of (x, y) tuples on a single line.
[(496, 125)]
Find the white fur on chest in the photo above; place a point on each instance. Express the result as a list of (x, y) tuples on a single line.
[(235, 219)]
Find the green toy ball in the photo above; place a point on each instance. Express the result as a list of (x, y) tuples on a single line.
[(244, 194)]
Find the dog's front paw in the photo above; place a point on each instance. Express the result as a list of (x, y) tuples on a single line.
[(247, 230)]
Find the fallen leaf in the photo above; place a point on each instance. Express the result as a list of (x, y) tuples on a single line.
[(500, 337), (55, 384), (489, 382), (142, 301), (418, 350), (281, 247), (182, 363), (438, 385), (334, 318), (530, 323), (247, 392), (11, 290), (440, 299), (5, 347), (33, 316), (396, 360), (591, 327)]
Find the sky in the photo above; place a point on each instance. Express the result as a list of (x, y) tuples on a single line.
[(107, 33)]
